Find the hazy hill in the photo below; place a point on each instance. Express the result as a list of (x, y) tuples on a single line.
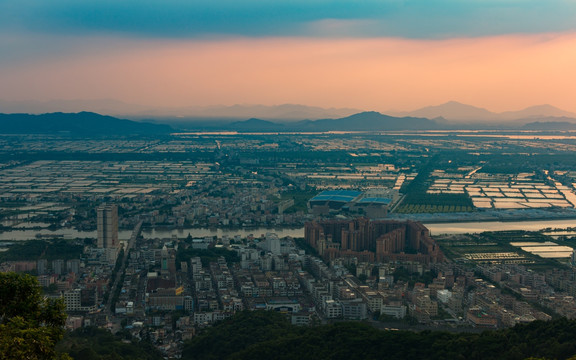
[(255, 125), (455, 111), (450, 115), (368, 121), (538, 111), (276, 112), (451, 112), (101, 106), (83, 123), (365, 121), (119, 108)]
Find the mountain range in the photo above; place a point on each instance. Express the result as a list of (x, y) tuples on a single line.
[(454, 111), (364, 121), (119, 108), (88, 123), (451, 111), (543, 117)]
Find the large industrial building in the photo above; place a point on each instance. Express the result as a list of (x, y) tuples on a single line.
[(373, 203)]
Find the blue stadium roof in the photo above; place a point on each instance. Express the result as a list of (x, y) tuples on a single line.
[(376, 200), (337, 195)]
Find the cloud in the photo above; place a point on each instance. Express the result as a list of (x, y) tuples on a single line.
[(201, 18)]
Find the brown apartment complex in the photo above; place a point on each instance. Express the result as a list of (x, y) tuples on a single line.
[(383, 240)]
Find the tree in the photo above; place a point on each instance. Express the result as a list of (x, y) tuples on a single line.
[(30, 325)]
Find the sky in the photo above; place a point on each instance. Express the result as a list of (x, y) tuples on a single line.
[(366, 54)]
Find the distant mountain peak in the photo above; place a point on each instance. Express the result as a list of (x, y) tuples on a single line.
[(370, 121), (452, 110), (457, 103), (537, 111), (254, 124), (542, 107), (453, 103), (366, 114)]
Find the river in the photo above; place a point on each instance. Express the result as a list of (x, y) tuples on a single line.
[(435, 229)]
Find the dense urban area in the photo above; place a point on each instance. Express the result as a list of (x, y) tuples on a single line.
[(160, 237)]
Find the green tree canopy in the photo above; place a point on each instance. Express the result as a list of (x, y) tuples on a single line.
[(30, 325), (268, 335)]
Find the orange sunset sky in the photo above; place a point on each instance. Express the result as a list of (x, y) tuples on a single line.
[(374, 58)]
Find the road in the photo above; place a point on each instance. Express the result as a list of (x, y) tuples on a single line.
[(131, 242)]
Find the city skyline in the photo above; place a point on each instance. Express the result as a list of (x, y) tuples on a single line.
[(381, 56)]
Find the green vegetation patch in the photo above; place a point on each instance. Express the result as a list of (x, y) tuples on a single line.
[(268, 335), (300, 200), (42, 249), (92, 343)]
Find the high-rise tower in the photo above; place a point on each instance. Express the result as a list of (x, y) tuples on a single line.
[(107, 226)]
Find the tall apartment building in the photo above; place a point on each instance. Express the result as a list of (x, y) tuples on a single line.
[(81, 299), (379, 240), (58, 267), (107, 222)]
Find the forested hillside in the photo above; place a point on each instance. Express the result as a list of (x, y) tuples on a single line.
[(267, 335)]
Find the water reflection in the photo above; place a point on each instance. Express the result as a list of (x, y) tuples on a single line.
[(477, 227)]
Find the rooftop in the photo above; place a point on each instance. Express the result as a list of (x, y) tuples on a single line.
[(337, 195)]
